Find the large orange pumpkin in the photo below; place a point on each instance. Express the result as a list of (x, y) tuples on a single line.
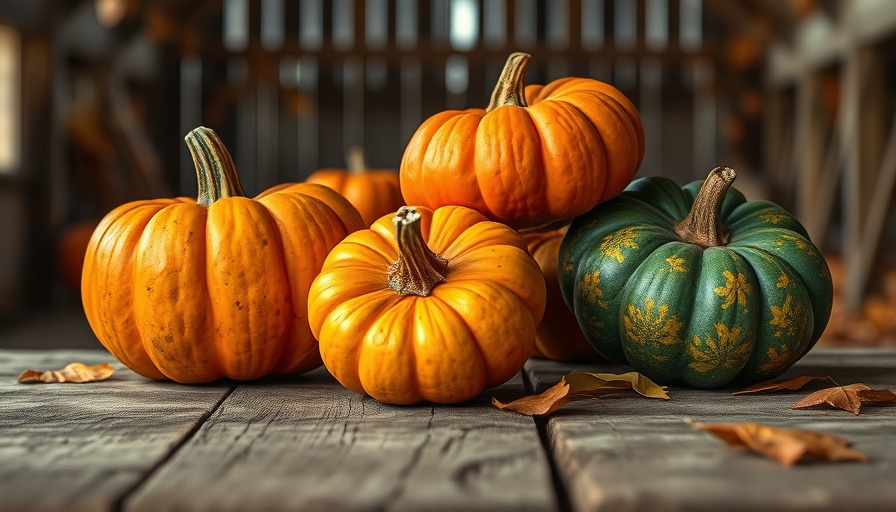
[(197, 291), (534, 156), (558, 336), (427, 306), (374, 192)]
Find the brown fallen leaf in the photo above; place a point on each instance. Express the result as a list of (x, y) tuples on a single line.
[(639, 383), (786, 446), (75, 372), (793, 384), (849, 398), (579, 386)]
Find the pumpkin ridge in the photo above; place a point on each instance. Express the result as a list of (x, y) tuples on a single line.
[(508, 197), (601, 172), (443, 134), (443, 306), (119, 218), (610, 170)]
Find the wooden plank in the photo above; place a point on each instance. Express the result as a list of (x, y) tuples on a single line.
[(313, 445), (84, 446), (640, 455)]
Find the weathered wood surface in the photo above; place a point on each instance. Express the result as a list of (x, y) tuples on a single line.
[(80, 447), (638, 454), (313, 445)]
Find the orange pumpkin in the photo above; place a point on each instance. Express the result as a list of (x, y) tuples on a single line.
[(427, 306), (374, 192), (558, 336), (197, 291), (534, 156)]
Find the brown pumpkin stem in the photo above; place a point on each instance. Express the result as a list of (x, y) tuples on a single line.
[(703, 225), (215, 170), (417, 270), (355, 161), (510, 89)]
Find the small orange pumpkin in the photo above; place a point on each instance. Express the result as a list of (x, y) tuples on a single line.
[(534, 156), (427, 306), (374, 192), (198, 291), (558, 336)]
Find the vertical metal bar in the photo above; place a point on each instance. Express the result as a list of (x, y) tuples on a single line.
[(406, 24), (311, 25), (190, 117), (308, 129), (651, 109), (593, 23), (411, 97), (236, 25), (272, 25)]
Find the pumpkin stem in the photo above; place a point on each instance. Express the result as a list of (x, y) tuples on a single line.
[(215, 170), (417, 270), (703, 226), (355, 161), (510, 89)]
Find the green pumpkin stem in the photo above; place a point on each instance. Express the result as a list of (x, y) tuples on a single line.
[(703, 225), (417, 270), (510, 89), (215, 170)]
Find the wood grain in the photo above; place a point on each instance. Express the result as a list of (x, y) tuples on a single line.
[(84, 446), (635, 454), (313, 445)]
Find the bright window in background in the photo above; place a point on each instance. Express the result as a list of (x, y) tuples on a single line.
[(236, 25), (464, 24), (592, 24), (10, 99), (690, 30)]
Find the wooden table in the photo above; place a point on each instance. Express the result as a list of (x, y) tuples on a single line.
[(308, 444)]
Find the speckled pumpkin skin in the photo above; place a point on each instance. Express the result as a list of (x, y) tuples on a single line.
[(683, 314)]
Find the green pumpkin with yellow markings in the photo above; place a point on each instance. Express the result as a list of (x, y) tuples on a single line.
[(695, 285)]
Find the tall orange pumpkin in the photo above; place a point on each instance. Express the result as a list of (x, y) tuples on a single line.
[(558, 336), (197, 291), (374, 192), (427, 306), (534, 156)]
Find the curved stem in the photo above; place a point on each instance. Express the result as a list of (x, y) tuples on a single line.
[(417, 270), (355, 161), (510, 89), (703, 225), (215, 170)]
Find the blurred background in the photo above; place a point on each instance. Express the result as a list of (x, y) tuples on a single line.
[(96, 96)]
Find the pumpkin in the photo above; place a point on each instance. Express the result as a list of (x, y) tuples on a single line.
[(374, 192), (558, 336), (695, 285), (427, 306), (535, 156), (195, 291)]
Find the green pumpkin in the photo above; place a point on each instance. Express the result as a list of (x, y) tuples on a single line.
[(695, 285)]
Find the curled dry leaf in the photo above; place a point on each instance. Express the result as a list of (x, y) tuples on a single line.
[(849, 398), (793, 384), (75, 372), (785, 446), (582, 386)]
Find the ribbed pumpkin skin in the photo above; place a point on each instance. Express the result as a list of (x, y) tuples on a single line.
[(558, 336), (373, 192), (178, 290), (474, 330), (679, 313), (577, 143)]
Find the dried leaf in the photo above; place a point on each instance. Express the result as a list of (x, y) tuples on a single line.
[(793, 384), (785, 446), (555, 397), (579, 386), (75, 372), (639, 383), (849, 398)]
